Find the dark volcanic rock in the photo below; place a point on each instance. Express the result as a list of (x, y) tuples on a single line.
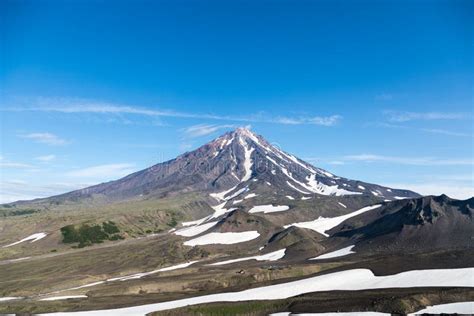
[(421, 224)]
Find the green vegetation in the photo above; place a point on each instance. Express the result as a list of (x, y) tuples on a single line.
[(87, 235), (17, 212), (222, 309), (173, 222)]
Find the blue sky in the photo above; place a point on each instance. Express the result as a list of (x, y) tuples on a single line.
[(380, 91)]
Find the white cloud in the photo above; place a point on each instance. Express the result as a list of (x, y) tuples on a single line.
[(394, 116), (46, 158), (75, 105), (316, 120), (204, 129), (417, 161), (445, 132), (425, 130), (15, 190), (15, 165), (103, 172), (45, 138), (456, 191), (336, 162)]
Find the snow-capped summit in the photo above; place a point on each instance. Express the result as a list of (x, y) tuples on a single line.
[(232, 167)]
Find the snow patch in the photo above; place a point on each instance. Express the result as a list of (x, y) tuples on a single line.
[(142, 274), (248, 161), (32, 238), (249, 196), (334, 254), (192, 223), (269, 208), (400, 197), (451, 308), (66, 297), (219, 210), (295, 188), (220, 196), (289, 197), (341, 204), (10, 298), (348, 280), (272, 256), (195, 230), (239, 192), (323, 224), (306, 198), (222, 238), (334, 314)]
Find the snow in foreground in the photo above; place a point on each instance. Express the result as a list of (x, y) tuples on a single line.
[(269, 208), (58, 298), (332, 314), (338, 253), (33, 238), (10, 298), (349, 280), (323, 224), (272, 256), (142, 274), (452, 308), (466, 308), (222, 238)]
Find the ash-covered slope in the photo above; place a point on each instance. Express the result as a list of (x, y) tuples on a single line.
[(421, 224), (226, 168)]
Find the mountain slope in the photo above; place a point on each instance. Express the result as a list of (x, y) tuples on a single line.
[(235, 163), (421, 224)]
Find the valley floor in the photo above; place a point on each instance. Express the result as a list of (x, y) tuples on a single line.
[(90, 283)]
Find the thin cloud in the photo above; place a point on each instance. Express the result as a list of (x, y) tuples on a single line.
[(15, 165), (204, 129), (15, 190), (417, 161), (400, 117), (45, 138), (425, 130), (103, 172), (46, 158), (445, 132), (315, 120), (453, 190), (70, 106)]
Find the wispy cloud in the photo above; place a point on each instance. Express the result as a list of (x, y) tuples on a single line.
[(46, 158), (45, 138), (417, 161), (394, 116), (204, 129), (15, 165), (446, 132), (4, 163), (425, 130), (14, 190), (453, 190), (104, 172), (315, 120), (75, 105)]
